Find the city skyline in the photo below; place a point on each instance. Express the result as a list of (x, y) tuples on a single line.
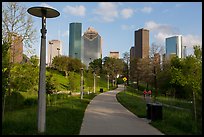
[(117, 21)]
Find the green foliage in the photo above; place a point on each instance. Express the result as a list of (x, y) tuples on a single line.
[(15, 100), (67, 64), (23, 77), (198, 52), (74, 82), (96, 65), (50, 84), (5, 66), (34, 60), (113, 67)]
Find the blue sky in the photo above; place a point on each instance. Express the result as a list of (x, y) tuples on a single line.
[(117, 21)]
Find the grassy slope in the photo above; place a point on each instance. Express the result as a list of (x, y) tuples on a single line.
[(64, 114)]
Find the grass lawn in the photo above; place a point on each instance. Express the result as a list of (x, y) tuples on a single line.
[(63, 117), (174, 122)]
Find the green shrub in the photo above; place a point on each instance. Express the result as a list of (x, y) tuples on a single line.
[(30, 101)]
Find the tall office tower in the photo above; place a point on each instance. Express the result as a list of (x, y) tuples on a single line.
[(92, 46), (174, 46), (75, 43), (54, 49), (142, 43), (16, 50), (114, 54), (132, 53)]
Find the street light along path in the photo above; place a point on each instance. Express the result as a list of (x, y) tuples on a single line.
[(106, 116)]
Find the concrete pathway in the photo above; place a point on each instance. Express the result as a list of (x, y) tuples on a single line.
[(106, 116)]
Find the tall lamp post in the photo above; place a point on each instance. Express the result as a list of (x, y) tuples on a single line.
[(94, 77), (58, 51), (51, 43), (42, 12), (108, 81), (82, 84)]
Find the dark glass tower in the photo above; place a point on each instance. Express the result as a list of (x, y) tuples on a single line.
[(75, 40)]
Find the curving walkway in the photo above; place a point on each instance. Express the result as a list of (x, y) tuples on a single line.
[(106, 116)]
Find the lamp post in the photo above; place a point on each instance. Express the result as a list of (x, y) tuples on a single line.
[(82, 92), (94, 77), (58, 51), (94, 81), (42, 12), (75, 55), (51, 43), (108, 81)]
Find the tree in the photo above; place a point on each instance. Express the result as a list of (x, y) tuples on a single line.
[(23, 77), (5, 74), (126, 57), (113, 67), (96, 66), (15, 22), (135, 70)]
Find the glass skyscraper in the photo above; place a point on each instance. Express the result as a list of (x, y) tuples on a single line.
[(91, 46), (75, 43), (174, 46)]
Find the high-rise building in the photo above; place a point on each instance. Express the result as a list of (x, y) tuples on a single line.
[(174, 46), (75, 42), (54, 49), (114, 54), (142, 43), (91, 46), (132, 53), (16, 50)]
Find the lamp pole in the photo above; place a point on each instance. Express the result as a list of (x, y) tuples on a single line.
[(94, 81), (82, 92), (51, 43), (58, 51), (44, 13), (108, 81)]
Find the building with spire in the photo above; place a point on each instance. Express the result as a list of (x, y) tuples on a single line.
[(91, 46)]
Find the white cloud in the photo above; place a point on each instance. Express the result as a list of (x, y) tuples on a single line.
[(75, 10), (127, 13), (190, 40), (107, 11), (147, 9), (161, 31)]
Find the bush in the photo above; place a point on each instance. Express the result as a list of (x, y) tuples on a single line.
[(14, 100), (30, 102)]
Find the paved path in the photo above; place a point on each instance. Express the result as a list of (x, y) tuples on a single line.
[(106, 116)]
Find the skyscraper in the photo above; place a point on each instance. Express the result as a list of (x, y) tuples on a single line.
[(174, 46), (54, 49), (75, 43), (91, 46), (132, 53), (141, 43), (114, 54)]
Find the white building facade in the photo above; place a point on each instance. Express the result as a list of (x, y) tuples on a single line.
[(54, 49), (174, 46)]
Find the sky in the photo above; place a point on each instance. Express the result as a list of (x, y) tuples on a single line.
[(116, 22)]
